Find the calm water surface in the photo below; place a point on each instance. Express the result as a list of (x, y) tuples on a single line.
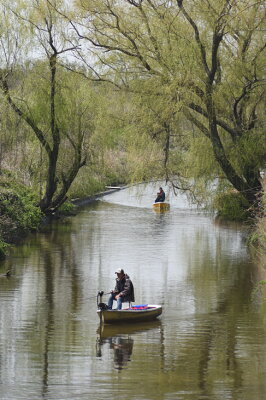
[(209, 343)]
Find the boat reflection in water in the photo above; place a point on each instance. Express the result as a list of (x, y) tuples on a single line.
[(119, 339)]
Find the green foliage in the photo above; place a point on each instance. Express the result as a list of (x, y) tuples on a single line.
[(231, 205), (18, 208), (86, 185), (158, 125), (66, 208), (3, 248), (201, 60), (200, 166), (258, 236), (21, 207)]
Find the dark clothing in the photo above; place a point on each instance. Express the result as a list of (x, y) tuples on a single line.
[(160, 196), (125, 287)]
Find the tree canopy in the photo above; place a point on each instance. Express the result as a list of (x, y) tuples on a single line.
[(43, 97), (152, 88), (201, 61)]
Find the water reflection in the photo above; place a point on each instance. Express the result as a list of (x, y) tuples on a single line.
[(122, 348), (209, 343), (119, 339)]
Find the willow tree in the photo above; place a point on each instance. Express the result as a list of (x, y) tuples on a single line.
[(40, 91), (204, 57)]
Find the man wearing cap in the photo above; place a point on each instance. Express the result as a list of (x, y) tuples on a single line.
[(123, 291)]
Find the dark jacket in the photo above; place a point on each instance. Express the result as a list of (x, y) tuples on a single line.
[(125, 287), (160, 196)]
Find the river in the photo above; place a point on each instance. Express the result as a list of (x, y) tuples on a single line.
[(208, 344)]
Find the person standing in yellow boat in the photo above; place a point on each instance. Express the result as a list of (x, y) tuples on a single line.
[(160, 196), (123, 291)]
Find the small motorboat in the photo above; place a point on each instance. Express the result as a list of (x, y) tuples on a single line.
[(143, 312), (133, 313), (161, 206)]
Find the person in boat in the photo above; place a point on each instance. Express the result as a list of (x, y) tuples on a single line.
[(160, 196), (123, 291)]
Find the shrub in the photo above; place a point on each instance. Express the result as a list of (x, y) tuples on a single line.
[(232, 206), (67, 208), (19, 211), (21, 207), (3, 248)]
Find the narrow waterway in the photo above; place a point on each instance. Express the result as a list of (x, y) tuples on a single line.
[(209, 343)]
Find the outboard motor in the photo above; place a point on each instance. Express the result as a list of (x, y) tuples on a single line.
[(101, 306)]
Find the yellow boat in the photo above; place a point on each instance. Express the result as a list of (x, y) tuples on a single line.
[(161, 206), (137, 313)]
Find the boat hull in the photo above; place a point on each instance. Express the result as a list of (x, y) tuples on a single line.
[(129, 315), (161, 206)]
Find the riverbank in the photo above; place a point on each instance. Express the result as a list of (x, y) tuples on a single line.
[(90, 199), (19, 214)]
